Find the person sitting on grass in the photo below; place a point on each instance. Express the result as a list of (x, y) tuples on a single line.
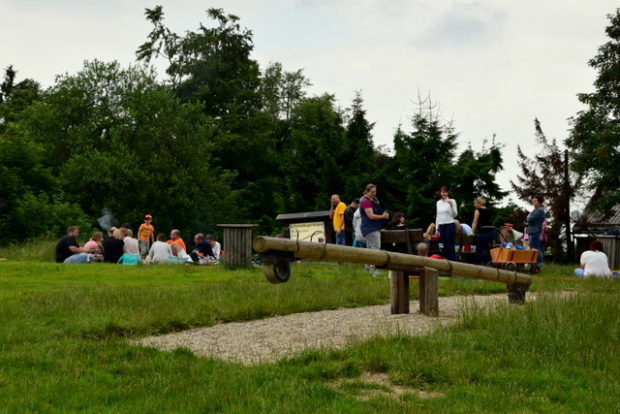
[(69, 251), (216, 247), (175, 237), (94, 244), (594, 262), (159, 251), (113, 245), (131, 245), (202, 250)]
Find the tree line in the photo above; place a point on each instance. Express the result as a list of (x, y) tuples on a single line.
[(218, 139)]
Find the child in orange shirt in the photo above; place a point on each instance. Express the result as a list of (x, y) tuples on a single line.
[(146, 236)]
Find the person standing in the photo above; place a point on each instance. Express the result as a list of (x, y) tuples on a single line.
[(358, 239), (534, 223), (348, 221), (446, 212), (146, 235), (336, 213), (485, 232), (373, 217)]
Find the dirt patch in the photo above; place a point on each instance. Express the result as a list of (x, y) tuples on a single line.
[(377, 384)]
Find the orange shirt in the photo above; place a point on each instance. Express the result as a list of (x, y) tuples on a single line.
[(179, 241), (145, 231)]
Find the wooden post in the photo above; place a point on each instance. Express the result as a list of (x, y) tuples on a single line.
[(237, 244), (429, 297), (399, 292)]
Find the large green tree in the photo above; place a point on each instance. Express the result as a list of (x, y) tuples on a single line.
[(116, 138), (211, 65), (313, 155), (422, 163), (359, 167), (595, 134), (426, 159), (32, 202)]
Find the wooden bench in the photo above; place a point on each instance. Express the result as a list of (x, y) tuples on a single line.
[(403, 241)]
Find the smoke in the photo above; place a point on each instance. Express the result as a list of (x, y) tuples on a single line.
[(107, 220)]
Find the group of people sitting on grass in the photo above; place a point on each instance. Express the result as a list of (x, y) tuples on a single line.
[(121, 247)]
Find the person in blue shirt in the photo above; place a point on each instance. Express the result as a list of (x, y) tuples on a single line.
[(534, 223)]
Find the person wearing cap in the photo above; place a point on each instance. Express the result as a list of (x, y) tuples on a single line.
[(146, 236)]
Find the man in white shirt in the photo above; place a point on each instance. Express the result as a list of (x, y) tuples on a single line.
[(160, 250)]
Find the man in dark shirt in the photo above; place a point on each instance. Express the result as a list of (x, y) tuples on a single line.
[(348, 221), (68, 250), (203, 248)]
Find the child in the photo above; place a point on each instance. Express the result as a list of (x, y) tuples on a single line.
[(146, 236), (94, 244)]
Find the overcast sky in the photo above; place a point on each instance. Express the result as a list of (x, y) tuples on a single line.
[(492, 65)]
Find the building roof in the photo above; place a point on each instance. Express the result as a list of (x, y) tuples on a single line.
[(598, 221), (303, 216)]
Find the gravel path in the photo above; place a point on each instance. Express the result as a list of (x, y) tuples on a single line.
[(270, 339)]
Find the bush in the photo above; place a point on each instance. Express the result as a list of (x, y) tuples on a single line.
[(42, 215)]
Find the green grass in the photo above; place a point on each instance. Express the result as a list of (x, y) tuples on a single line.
[(64, 328)]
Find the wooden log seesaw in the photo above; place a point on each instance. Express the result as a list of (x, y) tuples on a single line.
[(277, 253)]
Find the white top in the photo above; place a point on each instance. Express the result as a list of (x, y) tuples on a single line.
[(159, 252), (446, 211), (131, 245), (217, 249), (357, 226), (595, 264), (466, 229)]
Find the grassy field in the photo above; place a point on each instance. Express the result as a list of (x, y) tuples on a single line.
[(64, 328)]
